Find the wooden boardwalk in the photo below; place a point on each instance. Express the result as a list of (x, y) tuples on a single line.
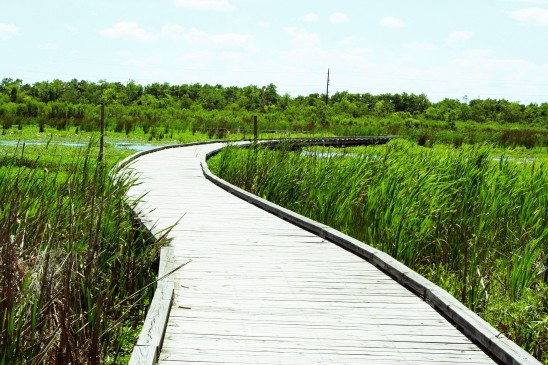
[(260, 290)]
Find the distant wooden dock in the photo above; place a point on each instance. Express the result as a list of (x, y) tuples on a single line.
[(261, 290)]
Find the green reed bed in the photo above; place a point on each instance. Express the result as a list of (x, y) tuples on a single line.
[(476, 226), (74, 266)]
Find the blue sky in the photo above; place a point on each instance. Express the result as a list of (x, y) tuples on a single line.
[(473, 48)]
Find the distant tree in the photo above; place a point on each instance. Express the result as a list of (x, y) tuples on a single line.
[(285, 101), (510, 112), (269, 95), (211, 97), (383, 108), (231, 94), (483, 110), (251, 98), (157, 90), (14, 91), (344, 104)]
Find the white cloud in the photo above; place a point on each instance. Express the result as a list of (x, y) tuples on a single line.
[(538, 2), (231, 38), (472, 55), (197, 65), (194, 35), (459, 36), (338, 18), (302, 36), (8, 31), (391, 22), (349, 41), (534, 15), (71, 28), (500, 78), (420, 47), (213, 5), (202, 59), (173, 31), (127, 30), (311, 18), (50, 46), (142, 63)]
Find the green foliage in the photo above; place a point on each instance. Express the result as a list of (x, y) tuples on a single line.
[(72, 259), (129, 107), (524, 321)]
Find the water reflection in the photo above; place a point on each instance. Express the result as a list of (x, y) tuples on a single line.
[(125, 145)]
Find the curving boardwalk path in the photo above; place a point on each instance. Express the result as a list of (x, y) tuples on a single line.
[(260, 290)]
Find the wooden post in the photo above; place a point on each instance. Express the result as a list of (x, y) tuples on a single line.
[(327, 91), (102, 138), (255, 129)]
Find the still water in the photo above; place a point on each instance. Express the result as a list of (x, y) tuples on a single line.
[(129, 146)]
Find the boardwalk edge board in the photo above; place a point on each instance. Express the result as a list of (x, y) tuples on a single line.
[(147, 349), (469, 323)]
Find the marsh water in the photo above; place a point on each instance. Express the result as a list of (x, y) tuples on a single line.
[(130, 146)]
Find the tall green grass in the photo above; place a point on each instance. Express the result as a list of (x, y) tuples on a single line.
[(73, 261), (475, 226)]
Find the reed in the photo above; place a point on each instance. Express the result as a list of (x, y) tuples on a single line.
[(475, 226), (71, 255)]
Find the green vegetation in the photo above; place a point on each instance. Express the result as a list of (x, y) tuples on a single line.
[(75, 270), (160, 112), (476, 226)]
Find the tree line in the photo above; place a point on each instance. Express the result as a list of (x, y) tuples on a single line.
[(201, 105)]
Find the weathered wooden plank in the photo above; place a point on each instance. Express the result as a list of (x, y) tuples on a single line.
[(335, 355), (147, 348), (294, 346), (153, 330), (167, 262), (143, 355), (281, 358), (180, 341)]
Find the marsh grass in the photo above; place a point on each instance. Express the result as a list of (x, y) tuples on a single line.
[(71, 255), (475, 226), (138, 135)]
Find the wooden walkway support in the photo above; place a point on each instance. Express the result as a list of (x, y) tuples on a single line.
[(261, 290)]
